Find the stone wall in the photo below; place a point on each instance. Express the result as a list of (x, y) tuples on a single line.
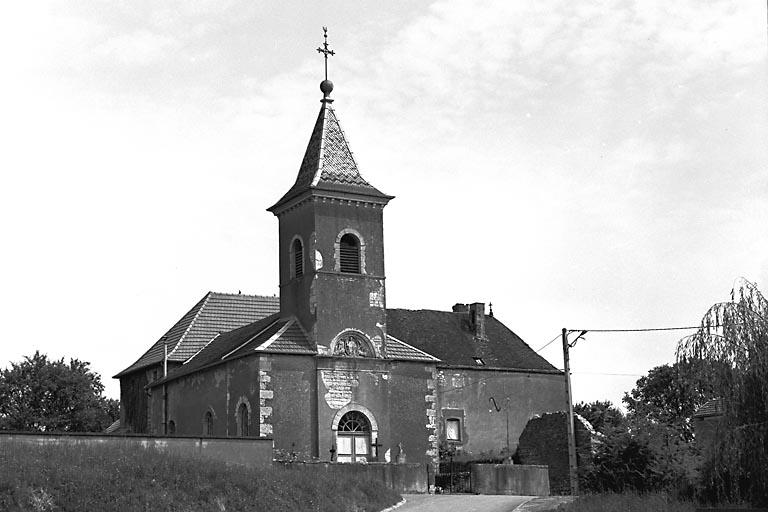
[(544, 441), (248, 452)]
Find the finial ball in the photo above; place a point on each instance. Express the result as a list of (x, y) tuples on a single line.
[(326, 86)]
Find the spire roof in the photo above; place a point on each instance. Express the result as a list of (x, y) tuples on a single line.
[(328, 163)]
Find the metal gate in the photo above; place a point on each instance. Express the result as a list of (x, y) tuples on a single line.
[(453, 477)]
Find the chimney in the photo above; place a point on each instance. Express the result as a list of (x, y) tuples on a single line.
[(460, 308), (477, 319)]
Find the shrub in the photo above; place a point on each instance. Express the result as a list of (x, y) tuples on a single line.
[(627, 502)]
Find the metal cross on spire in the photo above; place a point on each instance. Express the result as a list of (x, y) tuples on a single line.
[(325, 51)]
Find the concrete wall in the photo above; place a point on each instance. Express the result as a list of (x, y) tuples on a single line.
[(509, 479), (403, 478), (465, 394), (250, 452)]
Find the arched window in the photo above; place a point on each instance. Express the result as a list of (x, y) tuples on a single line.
[(171, 428), (208, 424), (349, 254), (353, 438), (298, 258), (242, 416)]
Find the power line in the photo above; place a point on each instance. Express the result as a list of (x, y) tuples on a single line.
[(609, 374), (640, 330), (548, 343), (646, 329)]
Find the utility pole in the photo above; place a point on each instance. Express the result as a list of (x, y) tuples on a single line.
[(571, 432), (165, 386)]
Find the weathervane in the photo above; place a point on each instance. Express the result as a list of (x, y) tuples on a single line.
[(326, 85)]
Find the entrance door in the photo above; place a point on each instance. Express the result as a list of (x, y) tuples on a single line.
[(353, 441)]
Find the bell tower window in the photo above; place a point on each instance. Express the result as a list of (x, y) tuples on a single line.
[(349, 254), (298, 258)]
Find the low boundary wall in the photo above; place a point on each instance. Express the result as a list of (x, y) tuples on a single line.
[(245, 451), (513, 479), (403, 478)]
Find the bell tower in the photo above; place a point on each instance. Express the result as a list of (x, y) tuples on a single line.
[(331, 240)]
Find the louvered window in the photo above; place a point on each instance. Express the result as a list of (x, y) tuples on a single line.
[(349, 254), (298, 258)]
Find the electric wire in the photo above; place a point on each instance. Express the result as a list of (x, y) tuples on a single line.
[(646, 329), (548, 343), (640, 330)]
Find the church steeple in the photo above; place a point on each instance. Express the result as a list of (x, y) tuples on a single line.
[(328, 163), (332, 241)]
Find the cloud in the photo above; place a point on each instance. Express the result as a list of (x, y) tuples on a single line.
[(138, 48)]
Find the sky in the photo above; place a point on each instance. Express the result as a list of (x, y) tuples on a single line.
[(579, 164)]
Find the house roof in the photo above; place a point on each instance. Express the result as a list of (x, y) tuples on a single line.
[(328, 162), (448, 336), (213, 314), (222, 327), (268, 335), (397, 349), (712, 407), (272, 334)]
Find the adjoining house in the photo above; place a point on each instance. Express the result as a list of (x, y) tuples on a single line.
[(327, 370), (706, 423)]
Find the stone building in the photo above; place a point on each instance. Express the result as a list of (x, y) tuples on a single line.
[(327, 370)]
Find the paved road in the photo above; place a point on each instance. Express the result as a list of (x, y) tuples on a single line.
[(460, 503)]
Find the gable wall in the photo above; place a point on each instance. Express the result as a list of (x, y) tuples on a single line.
[(133, 402), (465, 394)]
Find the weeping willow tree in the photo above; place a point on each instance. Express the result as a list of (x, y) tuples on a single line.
[(734, 335)]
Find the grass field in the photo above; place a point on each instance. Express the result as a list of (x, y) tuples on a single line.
[(626, 502), (74, 478)]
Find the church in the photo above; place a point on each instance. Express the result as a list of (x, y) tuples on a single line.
[(327, 370)]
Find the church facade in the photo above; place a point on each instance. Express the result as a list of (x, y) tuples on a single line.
[(327, 370)]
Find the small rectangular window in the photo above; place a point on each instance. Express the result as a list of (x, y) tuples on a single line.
[(453, 429), (479, 362)]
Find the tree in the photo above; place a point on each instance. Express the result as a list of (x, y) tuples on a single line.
[(603, 415), (39, 394), (734, 336), (671, 394)]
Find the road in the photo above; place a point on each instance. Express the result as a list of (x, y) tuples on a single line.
[(460, 503)]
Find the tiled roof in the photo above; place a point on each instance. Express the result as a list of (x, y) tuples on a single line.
[(397, 349), (712, 407), (213, 314), (113, 427), (270, 334), (292, 340), (449, 337), (328, 163)]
